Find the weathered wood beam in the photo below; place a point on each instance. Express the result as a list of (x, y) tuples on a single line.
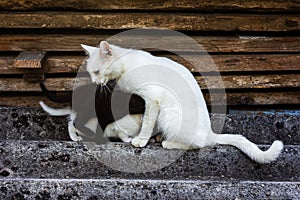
[(225, 63), (30, 60), (174, 21), (249, 81), (206, 82), (223, 44), (232, 5)]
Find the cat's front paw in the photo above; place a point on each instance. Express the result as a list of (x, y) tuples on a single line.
[(139, 142)]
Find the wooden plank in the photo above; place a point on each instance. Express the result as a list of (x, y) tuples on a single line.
[(223, 44), (241, 63), (232, 5), (53, 64), (253, 98), (250, 81), (250, 98), (266, 98), (225, 63), (207, 82), (18, 84), (30, 59), (174, 21)]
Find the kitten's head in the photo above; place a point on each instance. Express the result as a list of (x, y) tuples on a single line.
[(98, 61)]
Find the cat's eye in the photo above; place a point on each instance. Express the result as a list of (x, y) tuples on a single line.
[(96, 72)]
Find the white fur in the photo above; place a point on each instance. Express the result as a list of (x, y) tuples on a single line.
[(162, 106), (125, 128)]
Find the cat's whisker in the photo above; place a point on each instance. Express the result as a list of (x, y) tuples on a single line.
[(107, 88), (101, 88)]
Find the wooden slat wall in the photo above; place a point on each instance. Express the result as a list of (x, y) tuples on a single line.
[(255, 44), (201, 5)]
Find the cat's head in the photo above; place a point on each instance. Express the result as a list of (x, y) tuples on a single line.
[(98, 62)]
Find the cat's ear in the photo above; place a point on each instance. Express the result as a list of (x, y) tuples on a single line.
[(105, 49), (88, 49)]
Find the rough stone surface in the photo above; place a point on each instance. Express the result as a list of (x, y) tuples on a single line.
[(263, 128), (93, 189), (34, 124), (28, 159), (38, 161), (31, 124)]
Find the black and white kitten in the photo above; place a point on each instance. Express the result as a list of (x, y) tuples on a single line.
[(122, 122)]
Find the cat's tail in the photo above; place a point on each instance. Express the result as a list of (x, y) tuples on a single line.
[(249, 148), (55, 112)]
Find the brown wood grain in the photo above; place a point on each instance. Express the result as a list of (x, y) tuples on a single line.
[(256, 5), (240, 63), (33, 59), (174, 21), (249, 81), (223, 63), (268, 98), (206, 82), (210, 44), (231, 99), (253, 98)]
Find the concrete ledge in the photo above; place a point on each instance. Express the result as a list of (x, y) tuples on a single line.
[(145, 189), (34, 124), (58, 160)]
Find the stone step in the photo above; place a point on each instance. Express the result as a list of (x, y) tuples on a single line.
[(92, 189), (34, 124), (71, 160)]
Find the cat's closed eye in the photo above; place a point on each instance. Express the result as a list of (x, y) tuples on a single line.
[(97, 72)]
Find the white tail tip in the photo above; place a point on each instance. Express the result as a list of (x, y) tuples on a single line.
[(273, 152)]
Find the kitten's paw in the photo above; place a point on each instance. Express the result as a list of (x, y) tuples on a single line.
[(139, 142), (74, 134), (75, 137), (127, 140)]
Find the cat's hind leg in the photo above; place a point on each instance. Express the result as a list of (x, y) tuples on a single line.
[(168, 144)]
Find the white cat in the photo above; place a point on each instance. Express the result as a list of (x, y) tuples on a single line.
[(181, 130)]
